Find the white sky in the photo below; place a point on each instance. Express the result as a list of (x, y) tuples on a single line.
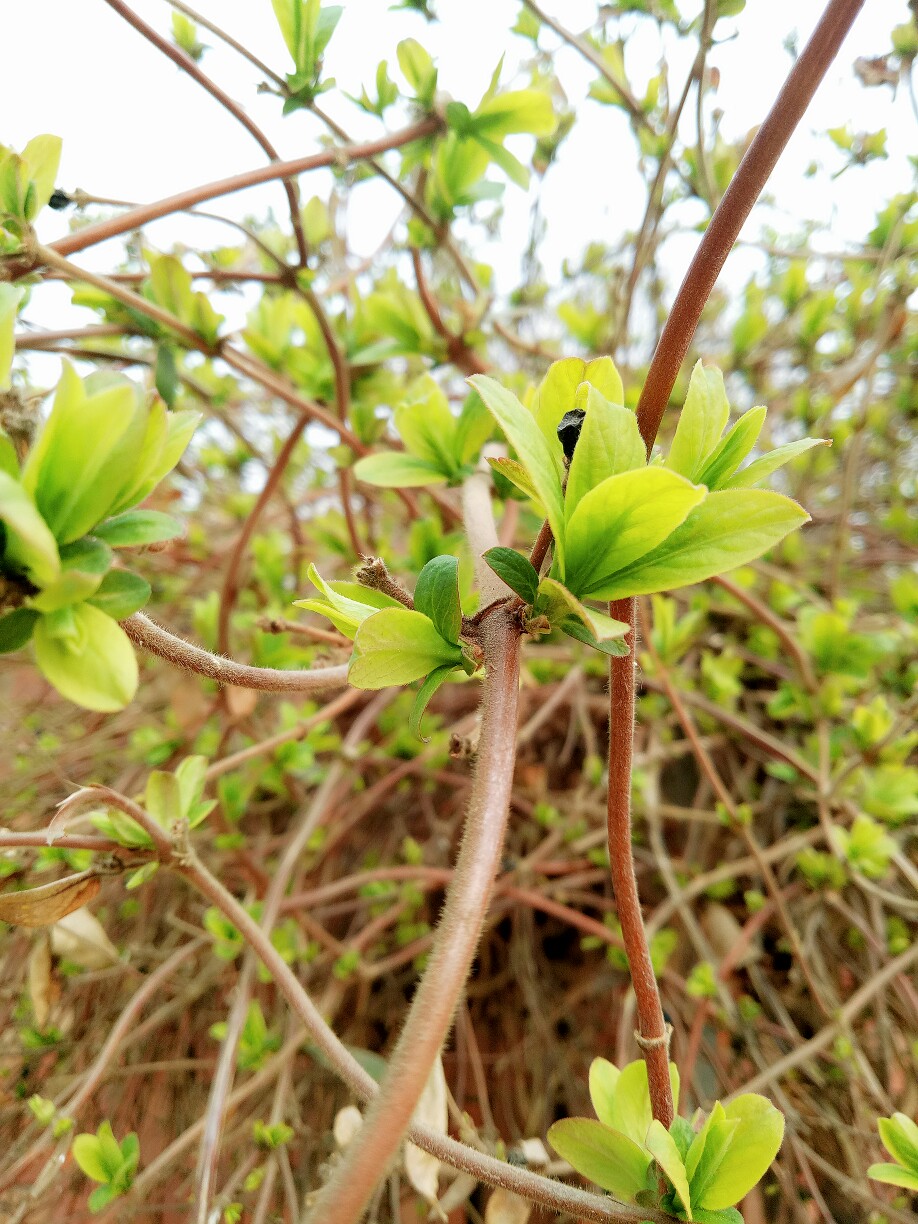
[(136, 128)]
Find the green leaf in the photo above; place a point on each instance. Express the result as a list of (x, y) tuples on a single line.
[(41, 156), (525, 437), (516, 474), (614, 647), (521, 110), (344, 612), (87, 657), (701, 422), (121, 594), (30, 545), (394, 470), (427, 427), (10, 297), (604, 1076), (419, 69), (900, 1138), (87, 1152), (396, 646), (894, 1175), (473, 429), (137, 527), (436, 595), (166, 437), (621, 520), (729, 528), (163, 798), (166, 371), (632, 1113), (732, 449), (16, 629), (84, 563), (759, 1129), (9, 460), (707, 1151), (761, 469), (557, 394), (662, 1147), (729, 1216), (437, 677), (514, 169), (605, 1156), (610, 443), (515, 570)]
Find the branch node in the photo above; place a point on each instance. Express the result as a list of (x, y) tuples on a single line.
[(654, 1043)]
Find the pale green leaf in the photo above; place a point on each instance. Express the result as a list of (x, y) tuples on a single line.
[(900, 1138), (138, 527), (396, 646), (605, 1156), (345, 613), (527, 440), (754, 1145), (395, 470), (761, 469), (662, 1147), (631, 1109), (522, 110), (10, 297), (163, 798), (621, 520), (701, 422), (730, 528), (30, 546), (557, 392), (555, 601), (473, 429), (84, 564), (516, 474), (93, 664), (894, 1175), (42, 156), (604, 1076), (436, 678), (87, 1152), (610, 443), (732, 449), (427, 427)]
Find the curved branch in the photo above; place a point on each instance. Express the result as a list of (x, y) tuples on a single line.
[(342, 155), (152, 637), (345, 1195), (184, 61)]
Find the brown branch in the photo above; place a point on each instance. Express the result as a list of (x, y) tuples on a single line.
[(152, 637), (126, 222)]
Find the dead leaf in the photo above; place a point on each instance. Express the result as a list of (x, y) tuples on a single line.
[(44, 990), (422, 1169), (42, 906), (348, 1122), (80, 937), (505, 1207)]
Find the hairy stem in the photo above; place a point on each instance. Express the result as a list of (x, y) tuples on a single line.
[(346, 1194)]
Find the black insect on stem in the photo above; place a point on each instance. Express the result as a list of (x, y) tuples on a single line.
[(569, 431)]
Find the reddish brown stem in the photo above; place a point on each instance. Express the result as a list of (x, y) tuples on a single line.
[(729, 217), (652, 1031)]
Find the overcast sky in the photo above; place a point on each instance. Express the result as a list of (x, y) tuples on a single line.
[(136, 128)]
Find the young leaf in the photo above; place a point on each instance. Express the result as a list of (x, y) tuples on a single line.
[(525, 437), (604, 1076), (515, 570), (701, 422), (729, 528), (516, 474), (900, 1138), (436, 595), (427, 427), (121, 594), (662, 1147), (394, 470), (30, 545), (631, 1109), (43, 906), (622, 519), (615, 647), (437, 677), (16, 628), (87, 657), (84, 564), (10, 297), (894, 1175), (473, 429), (138, 527), (344, 612), (732, 449), (759, 1129), (610, 443), (557, 393), (761, 469), (605, 1156), (396, 646)]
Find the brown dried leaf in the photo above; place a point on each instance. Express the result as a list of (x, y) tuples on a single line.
[(81, 938), (35, 907)]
